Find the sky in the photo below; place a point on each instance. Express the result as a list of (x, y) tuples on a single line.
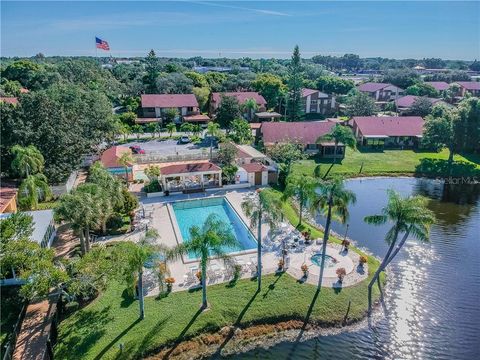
[(257, 29)]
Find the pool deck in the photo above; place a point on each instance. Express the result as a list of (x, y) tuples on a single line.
[(156, 210)]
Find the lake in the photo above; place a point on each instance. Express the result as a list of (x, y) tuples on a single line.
[(433, 293)]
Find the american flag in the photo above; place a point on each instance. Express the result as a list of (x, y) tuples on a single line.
[(101, 44)]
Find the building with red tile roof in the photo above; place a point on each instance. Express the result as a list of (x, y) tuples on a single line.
[(438, 85), (191, 176), (8, 199), (317, 102), (241, 96), (304, 133), (155, 105), (471, 87), (110, 159), (199, 118), (9, 100), (399, 131), (404, 103), (380, 91)]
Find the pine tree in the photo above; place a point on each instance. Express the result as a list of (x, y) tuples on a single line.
[(295, 84), (152, 68)]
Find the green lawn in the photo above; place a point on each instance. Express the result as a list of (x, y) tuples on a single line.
[(391, 162), (97, 330)]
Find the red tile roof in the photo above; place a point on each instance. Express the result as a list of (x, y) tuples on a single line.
[(7, 194), (24, 91), (196, 118), (372, 86), (469, 85), (254, 167), (255, 125), (438, 85), (306, 92), (169, 100), (304, 132), (147, 120), (110, 156), (241, 96), (188, 168), (389, 125), (9, 100), (408, 100)]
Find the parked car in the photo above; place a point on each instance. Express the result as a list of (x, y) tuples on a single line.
[(184, 140), (137, 149)]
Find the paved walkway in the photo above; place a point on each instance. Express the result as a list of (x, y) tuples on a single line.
[(33, 336)]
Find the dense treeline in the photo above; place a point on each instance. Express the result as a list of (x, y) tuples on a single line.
[(67, 110)]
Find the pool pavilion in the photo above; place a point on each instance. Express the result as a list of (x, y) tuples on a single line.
[(186, 177)]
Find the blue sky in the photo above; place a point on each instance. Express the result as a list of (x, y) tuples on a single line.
[(414, 29)]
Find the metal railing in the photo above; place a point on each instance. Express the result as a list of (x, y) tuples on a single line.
[(159, 158)]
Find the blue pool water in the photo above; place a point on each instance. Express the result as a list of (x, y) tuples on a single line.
[(329, 261), (195, 212)]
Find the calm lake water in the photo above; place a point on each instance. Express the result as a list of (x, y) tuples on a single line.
[(433, 296)]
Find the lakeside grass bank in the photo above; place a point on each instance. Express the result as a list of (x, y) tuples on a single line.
[(364, 162)]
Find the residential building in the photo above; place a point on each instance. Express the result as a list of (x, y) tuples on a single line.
[(154, 106), (392, 131), (262, 169), (307, 134), (8, 199), (470, 87), (242, 97), (317, 102), (381, 91), (9, 100), (438, 85), (189, 177), (110, 159), (44, 232), (405, 103)]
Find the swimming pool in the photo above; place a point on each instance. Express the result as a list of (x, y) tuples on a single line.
[(330, 261), (195, 212)]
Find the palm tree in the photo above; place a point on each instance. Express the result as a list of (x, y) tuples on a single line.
[(125, 160), (213, 129), (81, 211), (208, 240), (409, 216), (27, 160), (264, 207), (124, 130), (104, 202), (331, 200), (250, 106), (302, 187), (33, 189), (171, 127), (131, 258), (340, 135)]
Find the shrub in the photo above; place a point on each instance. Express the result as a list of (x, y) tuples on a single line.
[(237, 269), (363, 260), (304, 267), (115, 222), (281, 264), (170, 280), (341, 272), (199, 275)]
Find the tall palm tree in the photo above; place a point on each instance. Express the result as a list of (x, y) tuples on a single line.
[(171, 128), (104, 201), (213, 130), (264, 207), (81, 211), (302, 187), (32, 190), (250, 106), (331, 200), (27, 160), (131, 258), (205, 241), (340, 135), (125, 160), (409, 216)]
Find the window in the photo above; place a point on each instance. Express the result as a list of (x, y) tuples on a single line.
[(311, 146)]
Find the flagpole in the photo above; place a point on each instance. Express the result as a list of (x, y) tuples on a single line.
[(96, 49)]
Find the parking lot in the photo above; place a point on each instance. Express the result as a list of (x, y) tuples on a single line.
[(171, 147)]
